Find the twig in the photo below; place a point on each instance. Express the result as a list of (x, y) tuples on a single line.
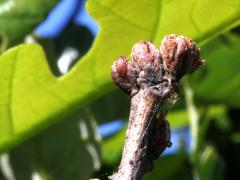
[(152, 80)]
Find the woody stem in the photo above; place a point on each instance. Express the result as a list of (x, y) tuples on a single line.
[(138, 152)]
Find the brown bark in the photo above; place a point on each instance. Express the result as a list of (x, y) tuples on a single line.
[(145, 136)]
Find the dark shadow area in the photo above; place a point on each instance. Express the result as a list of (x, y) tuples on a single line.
[(222, 139), (76, 38)]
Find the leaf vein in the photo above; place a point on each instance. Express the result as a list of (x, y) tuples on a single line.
[(11, 91), (157, 23), (114, 13)]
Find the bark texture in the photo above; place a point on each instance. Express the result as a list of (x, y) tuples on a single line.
[(146, 136)]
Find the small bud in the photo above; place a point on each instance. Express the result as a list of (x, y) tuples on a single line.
[(160, 71), (180, 55), (144, 53), (119, 68), (121, 74)]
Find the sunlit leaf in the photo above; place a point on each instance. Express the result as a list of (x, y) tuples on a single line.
[(33, 99)]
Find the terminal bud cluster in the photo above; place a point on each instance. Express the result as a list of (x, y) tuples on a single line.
[(150, 67)]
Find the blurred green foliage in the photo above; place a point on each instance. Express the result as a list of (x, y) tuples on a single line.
[(20, 17), (33, 100)]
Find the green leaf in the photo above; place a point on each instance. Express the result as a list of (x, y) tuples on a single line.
[(67, 151), (170, 167), (177, 118), (19, 17), (219, 80), (113, 106), (236, 138), (33, 99), (209, 165)]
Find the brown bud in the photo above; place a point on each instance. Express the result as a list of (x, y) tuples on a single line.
[(144, 53), (180, 55), (122, 71), (119, 68)]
